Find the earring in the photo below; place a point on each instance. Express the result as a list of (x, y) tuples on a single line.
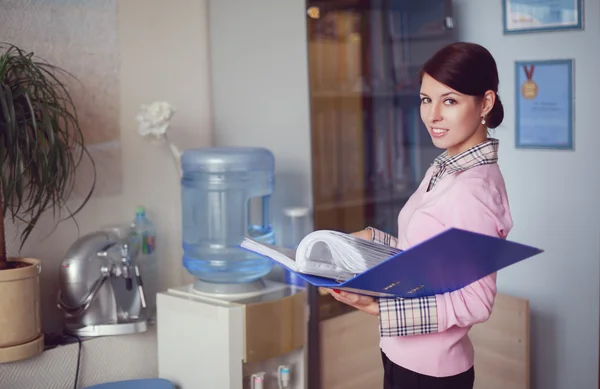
[(482, 120)]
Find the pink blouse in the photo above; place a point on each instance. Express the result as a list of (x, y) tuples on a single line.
[(429, 335)]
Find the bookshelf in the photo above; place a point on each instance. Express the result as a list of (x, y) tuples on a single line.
[(369, 149)]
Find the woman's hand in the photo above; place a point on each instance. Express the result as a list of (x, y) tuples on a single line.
[(363, 303)]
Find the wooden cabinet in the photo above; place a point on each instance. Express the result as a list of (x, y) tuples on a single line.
[(369, 149), (351, 358)]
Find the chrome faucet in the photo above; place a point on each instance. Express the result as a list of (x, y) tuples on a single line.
[(92, 298)]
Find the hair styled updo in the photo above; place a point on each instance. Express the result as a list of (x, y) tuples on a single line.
[(470, 69)]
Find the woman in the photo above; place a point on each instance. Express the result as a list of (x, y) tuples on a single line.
[(424, 341)]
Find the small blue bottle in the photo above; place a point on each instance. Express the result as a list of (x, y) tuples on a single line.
[(142, 238), (143, 232)]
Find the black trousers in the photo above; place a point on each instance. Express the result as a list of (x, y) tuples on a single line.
[(397, 377)]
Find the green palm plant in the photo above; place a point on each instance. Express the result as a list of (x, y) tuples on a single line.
[(41, 143)]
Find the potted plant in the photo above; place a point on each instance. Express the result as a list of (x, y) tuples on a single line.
[(41, 146)]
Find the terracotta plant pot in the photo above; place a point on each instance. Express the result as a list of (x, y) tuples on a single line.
[(20, 314)]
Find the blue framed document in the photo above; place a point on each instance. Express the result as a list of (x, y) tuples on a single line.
[(521, 16), (544, 104)]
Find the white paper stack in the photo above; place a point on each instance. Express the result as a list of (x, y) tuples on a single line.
[(327, 253)]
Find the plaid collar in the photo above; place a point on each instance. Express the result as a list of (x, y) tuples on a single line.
[(483, 154)]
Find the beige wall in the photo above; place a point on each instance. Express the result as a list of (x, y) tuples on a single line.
[(163, 56)]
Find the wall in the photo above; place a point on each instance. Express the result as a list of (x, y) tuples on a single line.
[(163, 56), (260, 89), (556, 207)]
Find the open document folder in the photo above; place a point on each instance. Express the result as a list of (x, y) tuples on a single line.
[(446, 262)]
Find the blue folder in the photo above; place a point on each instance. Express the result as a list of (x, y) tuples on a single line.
[(446, 262)]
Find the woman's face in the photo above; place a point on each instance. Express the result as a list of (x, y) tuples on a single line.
[(453, 120)]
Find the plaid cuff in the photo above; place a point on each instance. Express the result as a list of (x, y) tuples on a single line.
[(382, 237), (402, 317)]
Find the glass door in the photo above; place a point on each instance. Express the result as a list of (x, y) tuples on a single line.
[(369, 147)]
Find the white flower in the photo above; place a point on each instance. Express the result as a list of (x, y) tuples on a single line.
[(154, 119)]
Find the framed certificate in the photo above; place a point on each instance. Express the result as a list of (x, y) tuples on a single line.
[(521, 16), (544, 104)]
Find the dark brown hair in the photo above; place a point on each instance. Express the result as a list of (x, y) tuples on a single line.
[(470, 69)]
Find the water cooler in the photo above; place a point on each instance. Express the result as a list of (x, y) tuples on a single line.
[(231, 328)]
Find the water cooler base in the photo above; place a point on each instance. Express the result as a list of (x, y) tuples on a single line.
[(229, 341), (229, 292)]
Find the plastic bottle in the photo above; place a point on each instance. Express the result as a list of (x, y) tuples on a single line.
[(297, 223), (143, 241)]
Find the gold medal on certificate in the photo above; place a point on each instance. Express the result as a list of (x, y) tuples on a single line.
[(529, 89)]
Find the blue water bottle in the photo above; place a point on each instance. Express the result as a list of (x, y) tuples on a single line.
[(225, 196)]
